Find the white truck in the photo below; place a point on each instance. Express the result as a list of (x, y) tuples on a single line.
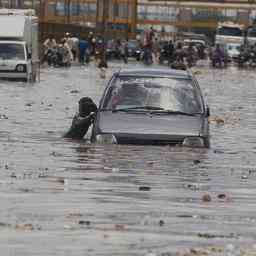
[(18, 44), (251, 36), (229, 32)]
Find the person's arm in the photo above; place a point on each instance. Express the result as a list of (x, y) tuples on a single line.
[(84, 120), (79, 127)]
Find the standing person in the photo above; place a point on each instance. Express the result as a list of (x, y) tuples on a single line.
[(83, 46), (124, 51), (90, 41), (69, 43), (66, 53), (148, 46), (170, 50), (83, 119), (156, 49), (191, 55), (99, 50), (74, 47), (151, 34)]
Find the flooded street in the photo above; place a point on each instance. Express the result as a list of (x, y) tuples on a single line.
[(63, 197)]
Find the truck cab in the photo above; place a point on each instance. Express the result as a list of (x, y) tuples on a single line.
[(15, 61), (18, 45), (229, 32)]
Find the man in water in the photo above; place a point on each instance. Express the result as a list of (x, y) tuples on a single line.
[(83, 119)]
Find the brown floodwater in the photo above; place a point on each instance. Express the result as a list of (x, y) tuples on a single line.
[(63, 197)]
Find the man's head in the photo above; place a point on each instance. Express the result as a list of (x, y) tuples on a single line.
[(86, 106)]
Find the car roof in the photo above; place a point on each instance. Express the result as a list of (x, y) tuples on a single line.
[(155, 72)]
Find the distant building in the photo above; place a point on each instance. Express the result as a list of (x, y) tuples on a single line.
[(130, 16)]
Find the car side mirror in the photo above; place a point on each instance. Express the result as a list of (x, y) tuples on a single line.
[(207, 111), (29, 55)]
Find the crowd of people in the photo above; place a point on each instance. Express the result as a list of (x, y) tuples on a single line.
[(180, 54), (70, 49)]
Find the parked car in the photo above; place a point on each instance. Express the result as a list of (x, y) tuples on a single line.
[(152, 106)]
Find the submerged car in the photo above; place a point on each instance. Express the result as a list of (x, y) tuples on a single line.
[(152, 107)]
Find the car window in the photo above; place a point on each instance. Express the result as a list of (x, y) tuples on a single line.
[(166, 93), (12, 51)]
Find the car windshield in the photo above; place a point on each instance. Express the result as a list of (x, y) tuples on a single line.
[(157, 94), (12, 51), (132, 44), (251, 32), (229, 31), (232, 47)]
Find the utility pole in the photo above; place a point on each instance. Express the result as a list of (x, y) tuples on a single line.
[(105, 17), (67, 11), (102, 16), (134, 17)]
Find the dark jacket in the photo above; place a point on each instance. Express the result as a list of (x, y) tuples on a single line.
[(81, 124), (79, 127)]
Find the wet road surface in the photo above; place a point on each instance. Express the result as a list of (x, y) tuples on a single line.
[(63, 197)]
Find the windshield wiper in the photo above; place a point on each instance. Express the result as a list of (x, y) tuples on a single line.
[(174, 112), (139, 107), (152, 109)]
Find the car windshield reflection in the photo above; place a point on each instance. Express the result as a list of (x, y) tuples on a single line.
[(157, 95)]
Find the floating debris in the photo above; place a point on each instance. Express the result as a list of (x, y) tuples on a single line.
[(3, 116), (25, 227), (217, 120), (206, 198), (13, 175), (144, 188), (119, 227), (4, 225), (150, 163), (161, 223), (74, 91), (221, 196), (196, 161), (74, 215), (84, 222), (197, 72)]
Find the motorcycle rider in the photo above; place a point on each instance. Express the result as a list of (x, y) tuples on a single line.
[(49, 44), (191, 55), (179, 55), (66, 53), (170, 49)]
